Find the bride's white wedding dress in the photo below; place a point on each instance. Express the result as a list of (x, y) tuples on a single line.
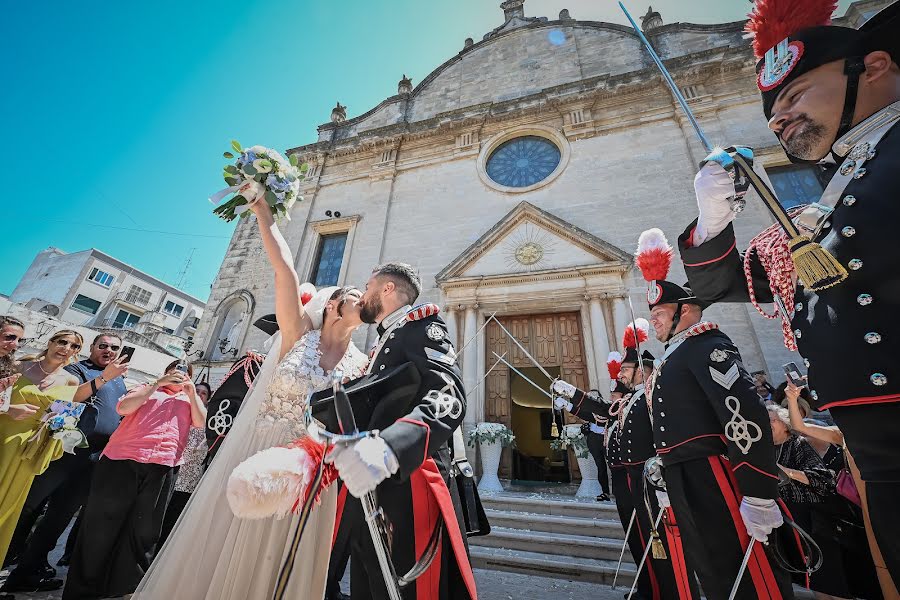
[(213, 555)]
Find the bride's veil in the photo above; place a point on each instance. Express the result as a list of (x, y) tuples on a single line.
[(196, 544)]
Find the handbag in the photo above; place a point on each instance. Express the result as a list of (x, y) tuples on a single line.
[(846, 487), (474, 518)]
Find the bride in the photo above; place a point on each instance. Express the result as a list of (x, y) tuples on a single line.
[(213, 555)]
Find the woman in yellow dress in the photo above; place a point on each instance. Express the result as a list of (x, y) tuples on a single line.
[(41, 380)]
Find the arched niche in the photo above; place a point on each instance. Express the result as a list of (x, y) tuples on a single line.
[(233, 317)]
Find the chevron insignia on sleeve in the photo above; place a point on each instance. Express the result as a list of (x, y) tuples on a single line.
[(726, 379), (448, 358)]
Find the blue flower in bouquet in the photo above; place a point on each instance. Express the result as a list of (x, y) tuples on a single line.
[(278, 184), (56, 422)]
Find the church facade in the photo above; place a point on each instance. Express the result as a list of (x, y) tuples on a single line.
[(516, 178)]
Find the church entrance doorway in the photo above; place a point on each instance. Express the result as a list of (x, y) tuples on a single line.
[(556, 341)]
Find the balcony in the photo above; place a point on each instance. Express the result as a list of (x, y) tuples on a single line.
[(134, 302), (112, 324)]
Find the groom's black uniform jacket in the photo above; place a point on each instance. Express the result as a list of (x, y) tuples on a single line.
[(414, 396)]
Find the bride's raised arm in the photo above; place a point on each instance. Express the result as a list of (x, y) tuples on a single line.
[(293, 322)]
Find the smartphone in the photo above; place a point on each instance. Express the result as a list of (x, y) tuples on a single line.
[(182, 367), (792, 371), (127, 353)]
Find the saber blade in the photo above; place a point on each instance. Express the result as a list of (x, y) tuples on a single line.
[(523, 376), (740, 575), (625, 545), (672, 85), (644, 557)]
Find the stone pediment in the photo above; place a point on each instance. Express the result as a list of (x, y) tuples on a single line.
[(528, 241)]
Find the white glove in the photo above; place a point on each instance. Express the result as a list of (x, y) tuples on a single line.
[(760, 517), (564, 389), (714, 188), (663, 499), (561, 403), (363, 464)]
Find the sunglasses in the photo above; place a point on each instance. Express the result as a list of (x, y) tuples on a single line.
[(11, 337), (112, 347), (67, 343)]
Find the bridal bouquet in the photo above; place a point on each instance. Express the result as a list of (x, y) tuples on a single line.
[(60, 422), (259, 173)]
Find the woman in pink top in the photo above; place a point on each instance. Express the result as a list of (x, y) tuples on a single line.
[(132, 485)]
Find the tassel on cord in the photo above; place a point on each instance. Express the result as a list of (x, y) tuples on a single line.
[(656, 546), (816, 268)]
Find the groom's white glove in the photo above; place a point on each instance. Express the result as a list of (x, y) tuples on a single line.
[(561, 403), (363, 464), (760, 516), (714, 188)]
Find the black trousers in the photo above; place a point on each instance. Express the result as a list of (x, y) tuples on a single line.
[(64, 486), (122, 523), (871, 435), (176, 506), (668, 578), (598, 451), (705, 500), (340, 556)]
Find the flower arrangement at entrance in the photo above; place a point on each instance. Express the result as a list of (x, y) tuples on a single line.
[(259, 173), (492, 433), (491, 439), (573, 438)]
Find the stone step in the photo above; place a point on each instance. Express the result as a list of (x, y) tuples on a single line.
[(562, 545), (597, 527), (536, 563), (553, 505)]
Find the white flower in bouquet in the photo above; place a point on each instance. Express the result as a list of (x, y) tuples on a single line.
[(259, 173)]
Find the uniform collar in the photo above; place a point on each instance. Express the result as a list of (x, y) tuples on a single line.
[(391, 320), (881, 121), (639, 387)]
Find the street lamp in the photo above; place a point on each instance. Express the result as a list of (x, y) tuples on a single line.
[(43, 328)]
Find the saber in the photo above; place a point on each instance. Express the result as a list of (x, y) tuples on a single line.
[(488, 372), (541, 369), (637, 340), (525, 377), (372, 513), (644, 557), (625, 545), (474, 337), (737, 201), (740, 575), (672, 85)]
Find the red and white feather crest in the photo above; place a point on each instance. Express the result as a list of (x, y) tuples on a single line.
[(643, 333), (773, 20), (654, 255), (614, 364)]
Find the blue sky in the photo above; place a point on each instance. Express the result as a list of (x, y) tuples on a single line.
[(115, 114)]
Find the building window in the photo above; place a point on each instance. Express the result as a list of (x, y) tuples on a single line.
[(86, 305), (101, 277), (796, 184), (125, 320), (173, 309), (137, 295), (523, 161), (327, 268)]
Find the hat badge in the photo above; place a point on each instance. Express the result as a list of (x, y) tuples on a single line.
[(780, 60), (654, 292)]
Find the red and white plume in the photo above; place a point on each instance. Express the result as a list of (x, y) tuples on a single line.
[(773, 20), (654, 255), (643, 333), (307, 291), (614, 364)]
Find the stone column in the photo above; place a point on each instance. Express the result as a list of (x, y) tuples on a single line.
[(470, 362), (449, 315), (620, 315), (591, 358), (601, 341)]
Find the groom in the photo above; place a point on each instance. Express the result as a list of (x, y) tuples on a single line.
[(407, 465)]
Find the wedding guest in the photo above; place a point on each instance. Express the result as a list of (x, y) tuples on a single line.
[(65, 485), (41, 380), (12, 331), (132, 484), (190, 472), (833, 435)]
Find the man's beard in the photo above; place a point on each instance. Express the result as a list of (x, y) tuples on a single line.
[(369, 311), (803, 144)]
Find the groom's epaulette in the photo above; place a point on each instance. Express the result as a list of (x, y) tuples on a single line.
[(422, 311)]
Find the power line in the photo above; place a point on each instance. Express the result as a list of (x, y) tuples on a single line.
[(156, 231)]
